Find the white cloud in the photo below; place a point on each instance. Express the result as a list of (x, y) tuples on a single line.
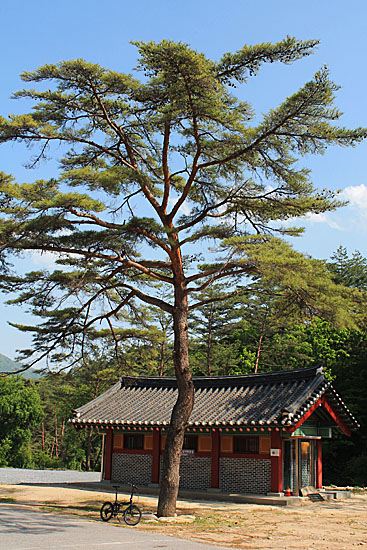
[(356, 195), (44, 259), (313, 218), (353, 217), (322, 218)]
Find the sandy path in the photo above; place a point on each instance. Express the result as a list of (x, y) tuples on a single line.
[(330, 525)]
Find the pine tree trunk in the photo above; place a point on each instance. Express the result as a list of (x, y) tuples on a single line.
[(89, 448), (162, 357), (62, 437), (43, 436), (259, 350), (209, 345), (181, 412), (56, 449), (95, 462)]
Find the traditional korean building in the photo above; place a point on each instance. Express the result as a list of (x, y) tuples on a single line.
[(252, 434)]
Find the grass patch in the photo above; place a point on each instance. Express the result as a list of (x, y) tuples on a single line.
[(218, 522), (7, 499), (209, 522)]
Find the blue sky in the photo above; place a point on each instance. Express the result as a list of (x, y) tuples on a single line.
[(39, 32)]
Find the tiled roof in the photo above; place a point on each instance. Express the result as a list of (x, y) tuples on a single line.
[(273, 399)]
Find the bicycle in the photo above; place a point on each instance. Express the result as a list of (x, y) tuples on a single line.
[(132, 514)]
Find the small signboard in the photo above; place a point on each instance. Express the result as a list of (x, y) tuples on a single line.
[(188, 452), (274, 452)]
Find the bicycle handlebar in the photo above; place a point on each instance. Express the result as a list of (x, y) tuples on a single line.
[(131, 484)]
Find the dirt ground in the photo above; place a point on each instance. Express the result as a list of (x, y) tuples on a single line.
[(333, 524)]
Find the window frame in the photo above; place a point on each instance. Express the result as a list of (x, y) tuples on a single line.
[(130, 442), (246, 445), (190, 442)]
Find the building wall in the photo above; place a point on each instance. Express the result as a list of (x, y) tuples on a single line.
[(131, 468), (195, 472), (244, 475), (237, 474)]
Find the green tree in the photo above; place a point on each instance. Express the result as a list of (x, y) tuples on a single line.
[(348, 270), (264, 327), (347, 457), (147, 345), (165, 164), (20, 411), (55, 442), (213, 323)]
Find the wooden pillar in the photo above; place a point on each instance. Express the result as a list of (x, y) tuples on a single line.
[(215, 459), (298, 477), (156, 455), (108, 455), (103, 455), (318, 464), (276, 483)]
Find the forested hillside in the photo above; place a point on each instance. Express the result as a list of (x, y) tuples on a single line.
[(7, 365)]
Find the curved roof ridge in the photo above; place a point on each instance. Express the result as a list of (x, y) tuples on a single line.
[(346, 412), (306, 395), (224, 381)]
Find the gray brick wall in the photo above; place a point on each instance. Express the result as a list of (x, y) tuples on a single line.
[(237, 475), (195, 472), (131, 468), (244, 475)]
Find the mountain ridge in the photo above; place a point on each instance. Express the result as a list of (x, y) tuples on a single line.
[(9, 366)]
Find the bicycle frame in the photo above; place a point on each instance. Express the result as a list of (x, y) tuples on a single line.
[(132, 514)]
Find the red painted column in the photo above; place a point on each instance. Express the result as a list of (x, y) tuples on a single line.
[(215, 459), (276, 483), (156, 455), (108, 455), (319, 464)]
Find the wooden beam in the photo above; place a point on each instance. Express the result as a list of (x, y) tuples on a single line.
[(215, 459), (276, 483), (156, 455), (334, 415), (318, 464), (108, 455), (324, 402)]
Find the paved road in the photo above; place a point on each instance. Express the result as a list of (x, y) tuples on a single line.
[(24, 529), (18, 475)]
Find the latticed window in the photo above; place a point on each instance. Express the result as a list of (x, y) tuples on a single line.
[(190, 442), (245, 444), (133, 441)]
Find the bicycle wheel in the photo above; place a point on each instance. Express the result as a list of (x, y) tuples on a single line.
[(106, 511), (132, 515)]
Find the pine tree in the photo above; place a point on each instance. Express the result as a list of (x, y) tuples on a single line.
[(348, 270), (176, 188)]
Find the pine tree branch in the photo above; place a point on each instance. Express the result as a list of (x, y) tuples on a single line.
[(220, 274), (220, 298), (124, 227)]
